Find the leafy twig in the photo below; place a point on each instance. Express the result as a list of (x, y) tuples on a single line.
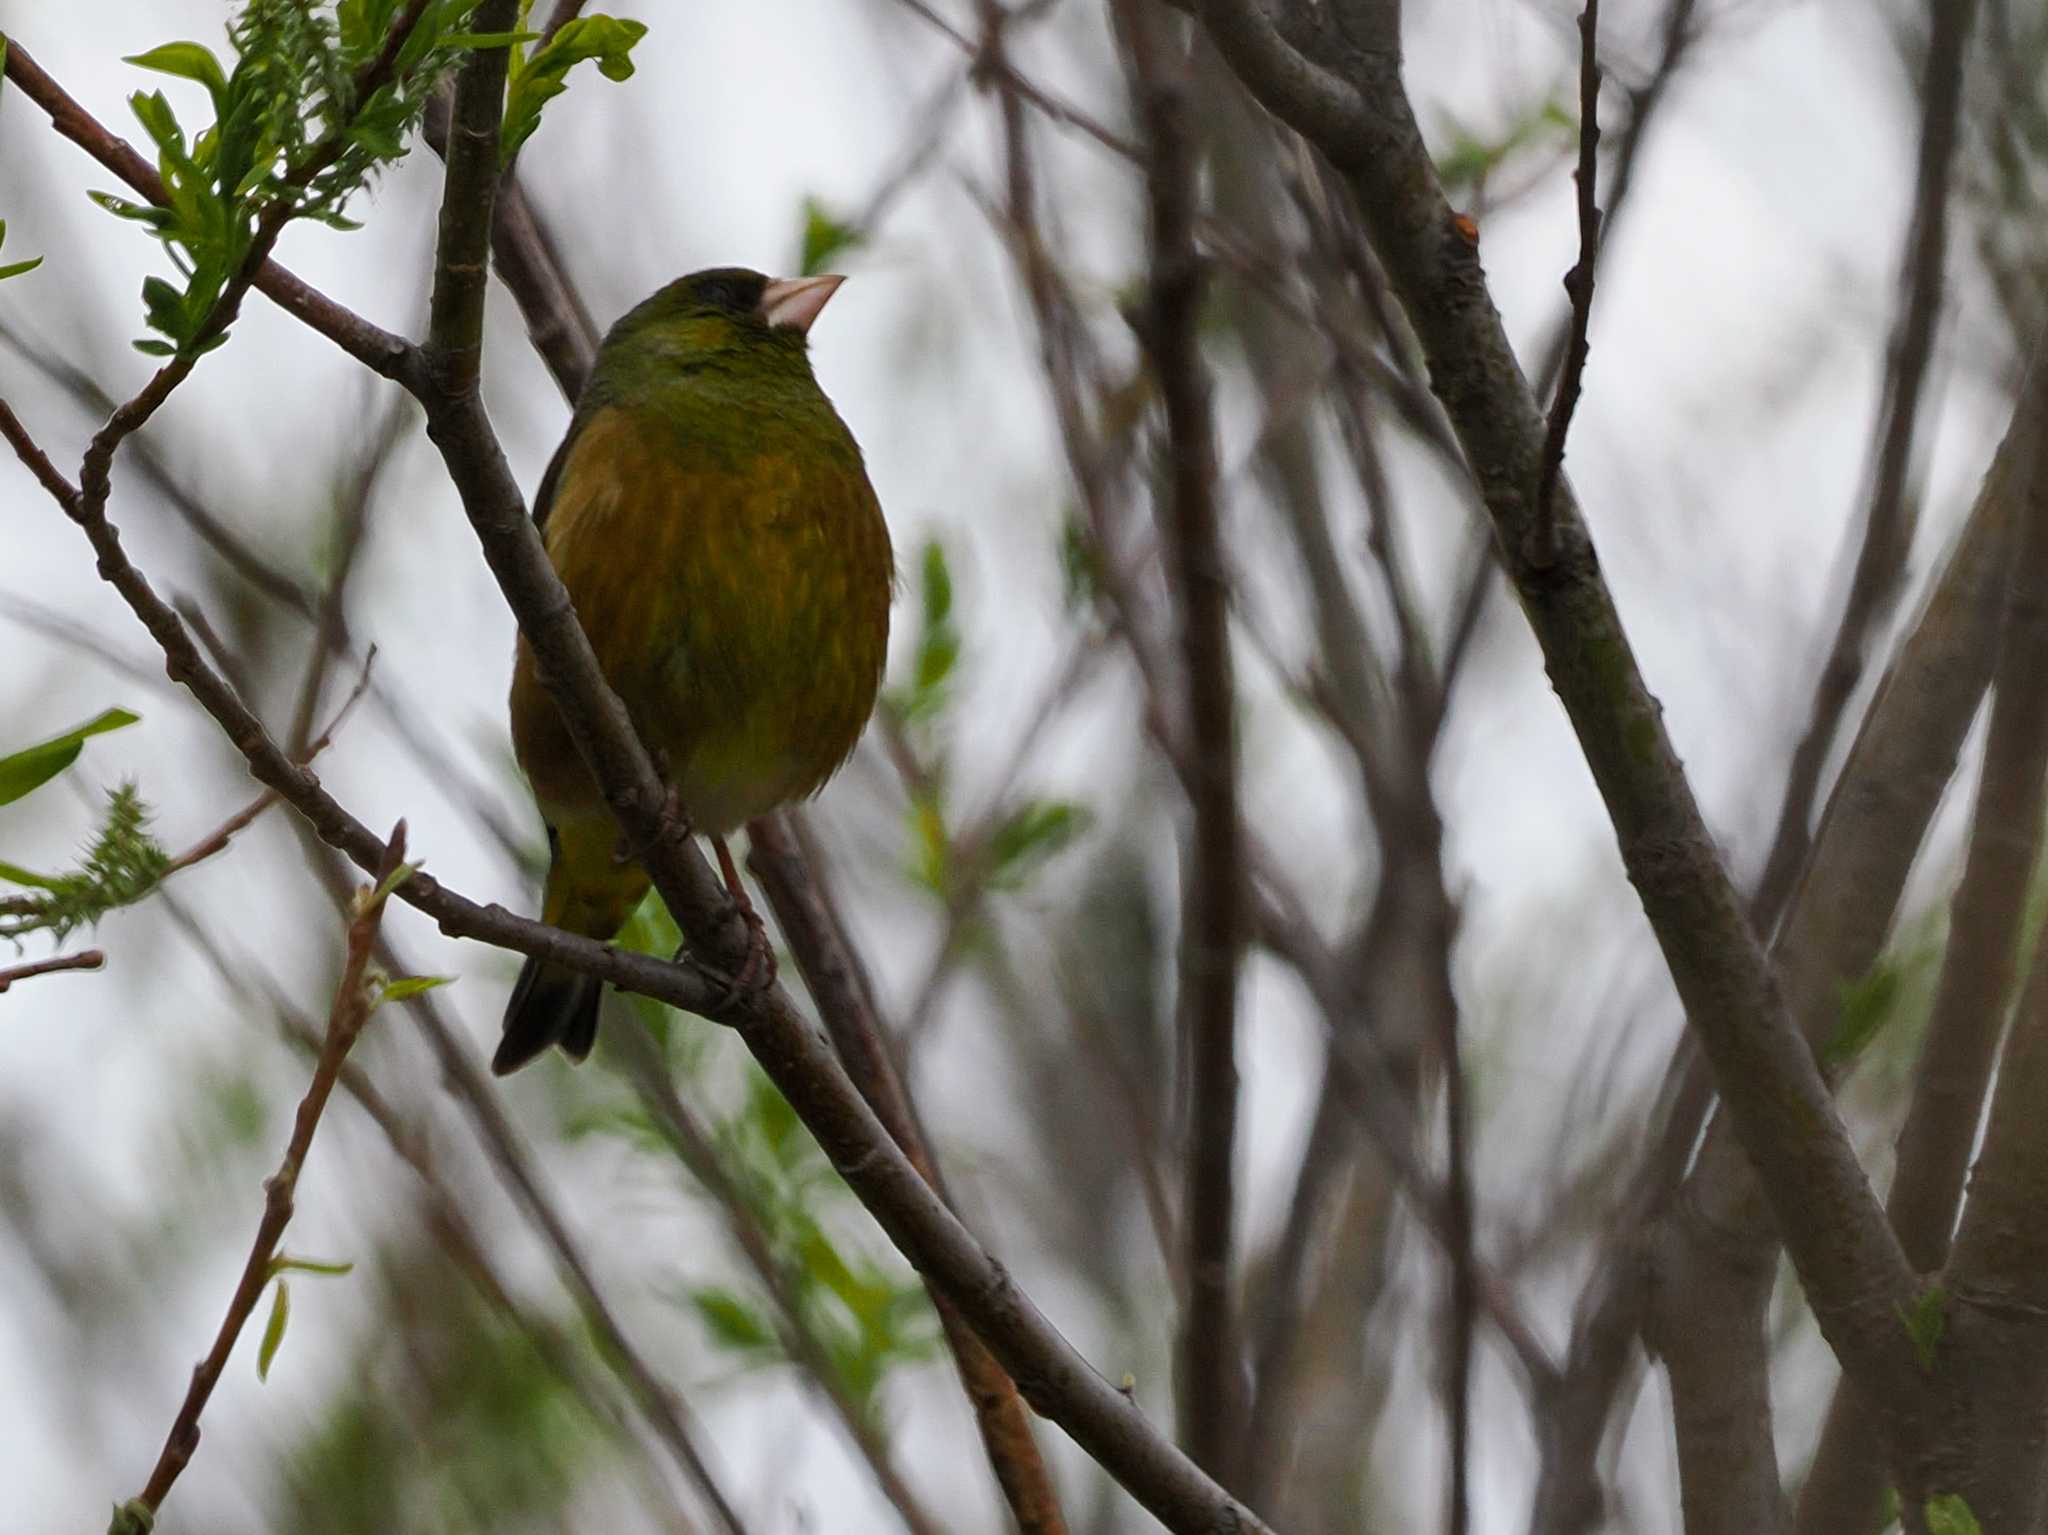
[(353, 1002), (845, 1006)]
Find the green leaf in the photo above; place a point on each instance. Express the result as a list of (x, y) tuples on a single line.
[(121, 207), (543, 75), (15, 874), (1080, 563), (1926, 1322), (1867, 1005), (1031, 834), (411, 986), (938, 640), (35, 765), (930, 845), (825, 237), (731, 1322), (16, 268), (1948, 1514), (283, 1265), (273, 1330), (153, 110), (134, 1517), (188, 61)]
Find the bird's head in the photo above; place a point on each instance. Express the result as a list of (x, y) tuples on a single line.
[(726, 313)]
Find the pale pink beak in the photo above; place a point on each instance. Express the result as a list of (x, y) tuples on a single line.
[(795, 301)]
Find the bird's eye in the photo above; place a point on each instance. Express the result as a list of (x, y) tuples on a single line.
[(728, 293)]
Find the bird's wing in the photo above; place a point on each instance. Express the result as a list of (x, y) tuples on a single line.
[(544, 498)]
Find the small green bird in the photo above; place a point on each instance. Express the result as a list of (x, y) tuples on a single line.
[(711, 518)]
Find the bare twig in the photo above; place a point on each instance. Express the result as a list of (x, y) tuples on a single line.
[(1209, 1381), (353, 1002), (1680, 33), (83, 959), (448, 1214), (993, 65), (1578, 283), (1893, 512)]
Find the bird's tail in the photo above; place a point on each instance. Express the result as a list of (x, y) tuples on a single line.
[(549, 1006), (589, 891)]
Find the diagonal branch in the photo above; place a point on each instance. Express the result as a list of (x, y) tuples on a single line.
[(1055, 1379), (839, 986), (353, 1002), (1888, 525), (376, 348), (1356, 111), (1971, 1002), (1898, 766)]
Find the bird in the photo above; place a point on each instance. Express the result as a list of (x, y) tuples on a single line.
[(712, 518)]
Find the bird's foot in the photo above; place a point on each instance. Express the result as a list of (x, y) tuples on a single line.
[(673, 821), (757, 971)]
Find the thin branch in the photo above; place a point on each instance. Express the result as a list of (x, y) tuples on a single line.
[(799, 1340), (795, 1057), (1578, 283), (1644, 102), (1889, 523), (447, 1214), (463, 1079), (1357, 112), (353, 1002), (234, 552), (1371, 1084), (529, 264), (1464, 1307), (273, 766), (845, 1007), (1209, 1380), (83, 959), (1897, 769), (993, 66), (1971, 1001)]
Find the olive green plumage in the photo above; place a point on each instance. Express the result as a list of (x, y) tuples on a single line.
[(710, 516)]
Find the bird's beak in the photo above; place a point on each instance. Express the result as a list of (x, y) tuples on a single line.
[(795, 301)]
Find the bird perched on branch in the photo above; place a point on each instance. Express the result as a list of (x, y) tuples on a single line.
[(710, 516)]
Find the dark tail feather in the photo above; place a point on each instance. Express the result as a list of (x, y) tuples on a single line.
[(549, 1006)]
